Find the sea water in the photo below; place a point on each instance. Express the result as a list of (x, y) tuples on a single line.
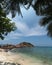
[(43, 54)]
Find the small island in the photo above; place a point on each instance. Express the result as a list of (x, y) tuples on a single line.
[(24, 44), (20, 45)]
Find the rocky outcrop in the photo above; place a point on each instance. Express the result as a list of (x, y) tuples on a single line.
[(8, 63), (24, 44), (7, 46), (20, 45)]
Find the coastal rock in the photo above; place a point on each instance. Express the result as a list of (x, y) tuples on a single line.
[(8, 63), (20, 45), (24, 44), (7, 46)]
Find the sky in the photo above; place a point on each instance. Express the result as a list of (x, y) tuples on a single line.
[(28, 30)]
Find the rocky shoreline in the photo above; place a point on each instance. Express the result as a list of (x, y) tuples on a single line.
[(8, 63), (9, 58), (20, 45)]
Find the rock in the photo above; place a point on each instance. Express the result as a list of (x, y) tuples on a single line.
[(1, 62), (20, 45), (7, 47), (13, 64), (19, 64), (8, 63), (24, 44)]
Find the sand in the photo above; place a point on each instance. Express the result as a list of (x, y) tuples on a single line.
[(17, 59)]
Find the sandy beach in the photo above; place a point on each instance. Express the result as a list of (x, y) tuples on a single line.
[(18, 59)]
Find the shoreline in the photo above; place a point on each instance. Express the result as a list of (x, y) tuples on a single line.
[(12, 58)]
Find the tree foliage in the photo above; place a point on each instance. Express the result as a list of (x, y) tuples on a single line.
[(42, 8), (13, 6), (5, 25)]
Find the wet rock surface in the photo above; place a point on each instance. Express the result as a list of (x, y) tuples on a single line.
[(8, 63)]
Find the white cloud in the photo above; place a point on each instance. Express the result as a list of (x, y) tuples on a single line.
[(26, 31), (22, 27), (36, 31)]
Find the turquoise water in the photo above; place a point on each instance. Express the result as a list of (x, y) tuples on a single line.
[(42, 53)]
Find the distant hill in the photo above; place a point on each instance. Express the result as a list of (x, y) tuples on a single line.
[(24, 44), (20, 45)]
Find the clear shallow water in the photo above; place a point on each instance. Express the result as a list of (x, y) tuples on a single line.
[(41, 53)]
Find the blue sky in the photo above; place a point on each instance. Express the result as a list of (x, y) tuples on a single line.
[(28, 29)]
